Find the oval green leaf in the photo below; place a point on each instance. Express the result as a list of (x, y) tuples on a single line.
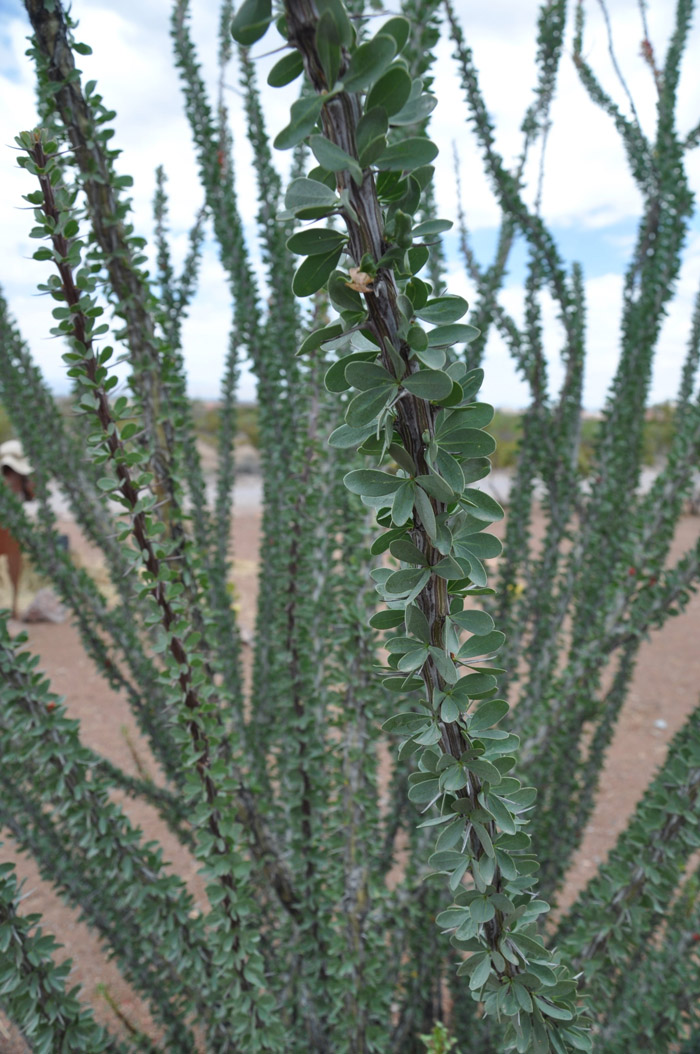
[(479, 622), (251, 21), (303, 116), (371, 481), (446, 336), (344, 437), (366, 406), (334, 158), (335, 375), (399, 28), (367, 375), (309, 193), (485, 644), (319, 337), (317, 241), (369, 62), (286, 70), (428, 384), (391, 91), (488, 714), (314, 272), (443, 309), (408, 154)]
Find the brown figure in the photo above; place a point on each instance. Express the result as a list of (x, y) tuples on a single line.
[(16, 472)]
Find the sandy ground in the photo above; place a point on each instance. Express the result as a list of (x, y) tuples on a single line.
[(665, 689)]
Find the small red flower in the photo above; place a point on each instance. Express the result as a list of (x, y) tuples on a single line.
[(632, 571), (50, 707)]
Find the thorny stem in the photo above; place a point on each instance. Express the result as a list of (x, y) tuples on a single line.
[(415, 416), (130, 493)]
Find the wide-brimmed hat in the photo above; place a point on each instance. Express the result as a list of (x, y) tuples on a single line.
[(12, 456)]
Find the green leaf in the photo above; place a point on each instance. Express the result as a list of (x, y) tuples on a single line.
[(488, 714), (316, 241), (405, 550), (402, 507), (342, 297), (328, 44), (445, 667), (413, 660), (557, 1012), (408, 154), (446, 336), (477, 684), (482, 506), (480, 974), (309, 193), (391, 91), (319, 337), (369, 62), (335, 380), (251, 21), (443, 309), (304, 114), (334, 158), (500, 813), (472, 381), (371, 482), (314, 272), (450, 470), (436, 487), (481, 645), (423, 791), (398, 28), (479, 622), (476, 570), (386, 620), (416, 110), (405, 580), (449, 569), (481, 832), (451, 918), (417, 624), (342, 31), (417, 257), (425, 511), (476, 415), (481, 909), (366, 406), (406, 722), (433, 358), (370, 135), (345, 437), (485, 771), (449, 711), (368, 375), (437, 227), (428, 384), (485, 546), (286, 70), (469, 442)]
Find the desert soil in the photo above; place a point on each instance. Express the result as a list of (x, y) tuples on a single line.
[(665, 689)]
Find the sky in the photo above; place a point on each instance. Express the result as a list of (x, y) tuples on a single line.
[(590, 202)]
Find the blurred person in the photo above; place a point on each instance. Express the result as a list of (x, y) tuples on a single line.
[(16, 473)]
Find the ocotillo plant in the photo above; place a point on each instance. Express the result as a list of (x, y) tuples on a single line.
[(373, 443)]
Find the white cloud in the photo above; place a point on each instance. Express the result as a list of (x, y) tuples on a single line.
[(587, 186)]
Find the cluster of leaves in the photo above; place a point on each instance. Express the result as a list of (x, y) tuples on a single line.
[(414, 409)]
